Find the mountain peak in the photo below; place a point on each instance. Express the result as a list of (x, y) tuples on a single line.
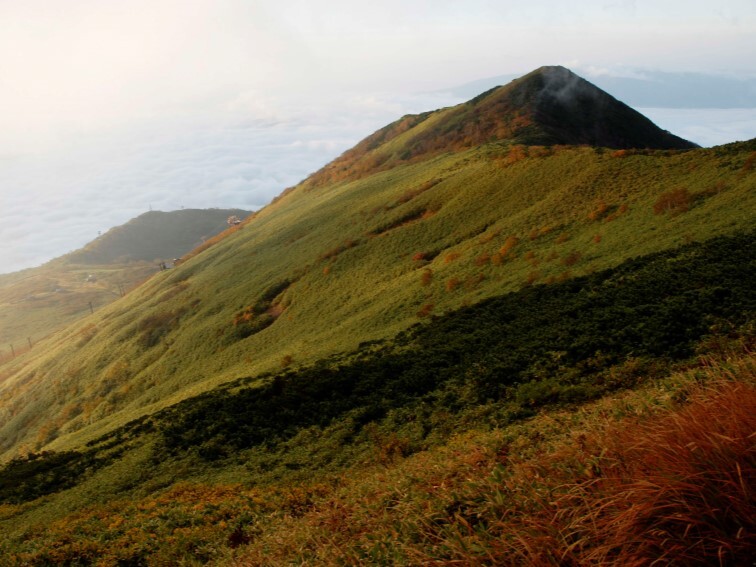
[(548, 106), (564, 108)]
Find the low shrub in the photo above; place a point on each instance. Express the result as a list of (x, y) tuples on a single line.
[(673, 202)]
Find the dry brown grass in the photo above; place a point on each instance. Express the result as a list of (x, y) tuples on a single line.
[(673, 202), (508, 245)]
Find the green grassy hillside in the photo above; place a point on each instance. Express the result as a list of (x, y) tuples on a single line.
[(358, 324), (320, 271), (516, 373), (37, 302)]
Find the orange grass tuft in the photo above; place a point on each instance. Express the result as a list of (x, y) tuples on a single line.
[(678, 490)]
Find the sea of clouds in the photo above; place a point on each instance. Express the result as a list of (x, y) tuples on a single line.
[(56, 200)]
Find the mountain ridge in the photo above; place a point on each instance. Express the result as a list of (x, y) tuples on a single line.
[(549, 106), (361, 246)]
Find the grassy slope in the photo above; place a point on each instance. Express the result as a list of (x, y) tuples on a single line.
[(349, 252), (46, 299), (37, 302), (331, 485)]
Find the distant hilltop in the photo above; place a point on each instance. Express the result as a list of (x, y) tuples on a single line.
[(156, 235)]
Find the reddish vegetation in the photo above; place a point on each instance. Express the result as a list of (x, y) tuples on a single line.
[(678, 490), (482, 259), (359, 161), (508, 245), (532, 277), (275, 310), (425, 310), (452, 284), (516, 153), (572, 258), (599, 211), (426, 277), (749, 162), (674, 202), (674, 488), (465, 126)]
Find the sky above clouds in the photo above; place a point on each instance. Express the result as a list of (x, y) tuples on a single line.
[(109, 108)]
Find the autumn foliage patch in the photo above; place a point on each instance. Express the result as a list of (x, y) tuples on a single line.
[(673, 202)]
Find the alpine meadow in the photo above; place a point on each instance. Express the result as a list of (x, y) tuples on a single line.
[(516, 331)]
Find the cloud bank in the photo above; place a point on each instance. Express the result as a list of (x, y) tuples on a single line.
[(55, 202)]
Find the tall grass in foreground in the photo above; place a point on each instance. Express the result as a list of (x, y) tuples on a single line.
[(675, 490), (671, 487), (664, 474)]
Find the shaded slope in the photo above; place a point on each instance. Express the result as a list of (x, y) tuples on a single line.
[(550, 106), (570, 110), (561, 343), (155, 235)]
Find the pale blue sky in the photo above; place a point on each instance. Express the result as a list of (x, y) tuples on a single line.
[(108, 107)]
